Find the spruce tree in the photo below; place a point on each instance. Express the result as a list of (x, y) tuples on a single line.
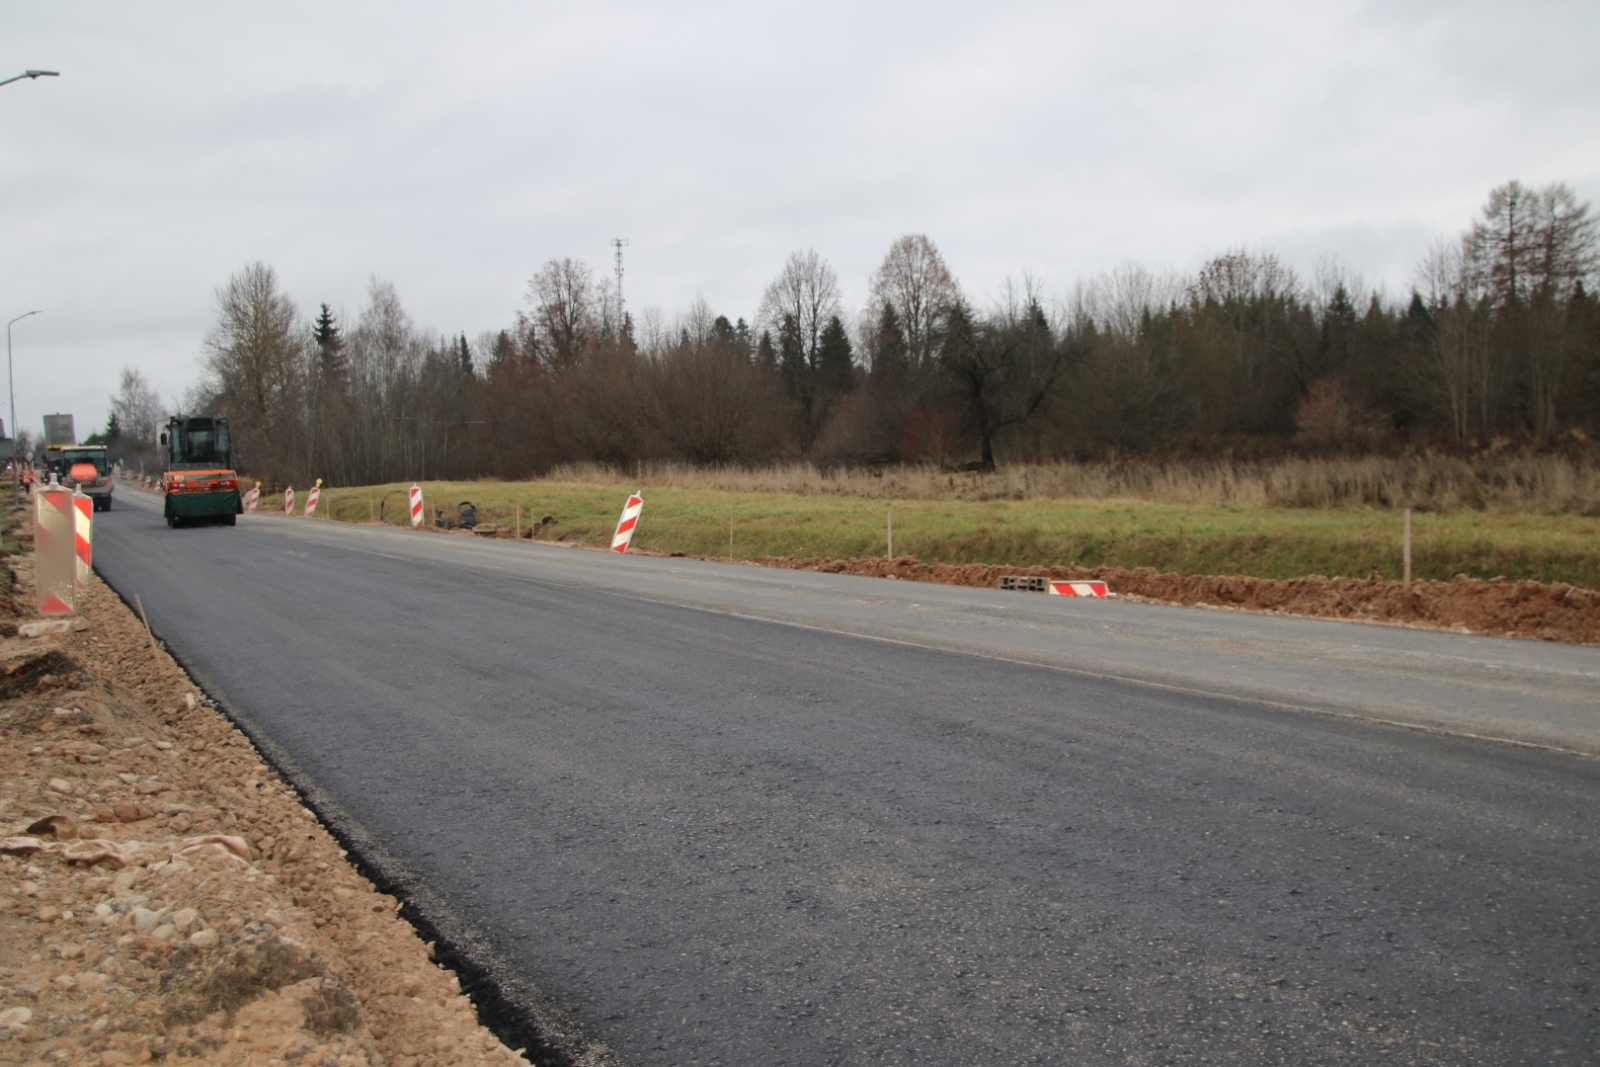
[(330, 345), (890, 355), (504, 350), (792, 360), (834, 358)]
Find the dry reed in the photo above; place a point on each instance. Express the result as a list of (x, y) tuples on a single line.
[(1507, 482)]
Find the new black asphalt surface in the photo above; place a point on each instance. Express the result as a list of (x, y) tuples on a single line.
[(726, 815)]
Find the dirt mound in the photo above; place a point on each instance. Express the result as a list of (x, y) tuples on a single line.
[(1556, 612)]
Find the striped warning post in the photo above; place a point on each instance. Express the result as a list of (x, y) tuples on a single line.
[(416, 505), (82, 538), (311, 498), (54, 560), (252, 498), (1080, 589), (626, 524), (288, 501)]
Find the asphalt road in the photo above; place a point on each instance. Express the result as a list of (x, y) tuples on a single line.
[(725, 815)]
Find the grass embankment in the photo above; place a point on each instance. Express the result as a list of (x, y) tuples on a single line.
[(9, 526), (1265, 542)]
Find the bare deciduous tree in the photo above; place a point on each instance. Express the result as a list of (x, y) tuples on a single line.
[(807, 291), (567, 311), (252, 356), (1240, 277), (914, 280), (138, 411), (1457, 372)]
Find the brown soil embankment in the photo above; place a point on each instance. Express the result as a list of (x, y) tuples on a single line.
[(1496, 607), (1499, 607)]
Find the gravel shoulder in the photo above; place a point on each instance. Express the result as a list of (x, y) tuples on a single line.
[(166, 897)]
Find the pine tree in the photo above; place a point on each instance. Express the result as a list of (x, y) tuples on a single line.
[(330, 346)]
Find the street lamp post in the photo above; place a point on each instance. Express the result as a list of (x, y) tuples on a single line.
[(34, 74), (11, 382)]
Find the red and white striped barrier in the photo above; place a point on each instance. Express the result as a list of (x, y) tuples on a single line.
[(416, 505), (626, 524), (1080, 589), (311, 498), (54, 557), (82, 538), (252, 498), (288, 501)]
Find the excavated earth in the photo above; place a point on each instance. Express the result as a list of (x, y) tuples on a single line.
[(1557, 612), (165, 898), (1497, 607)]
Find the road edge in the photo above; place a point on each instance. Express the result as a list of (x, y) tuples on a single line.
[(508, 1005)]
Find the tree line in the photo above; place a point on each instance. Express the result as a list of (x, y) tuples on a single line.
[(1499, 339)]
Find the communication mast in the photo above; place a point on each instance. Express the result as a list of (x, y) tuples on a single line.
[(619, 243)]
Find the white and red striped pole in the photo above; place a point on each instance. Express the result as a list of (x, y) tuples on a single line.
[(252, 498), (82, 537), (626, 524), (311, 498), (288, 501), (416, 505)]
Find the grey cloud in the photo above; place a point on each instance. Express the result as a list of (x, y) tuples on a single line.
[(452, 151)]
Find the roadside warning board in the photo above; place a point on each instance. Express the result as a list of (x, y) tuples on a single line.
[(626, 524), (1079, 589)]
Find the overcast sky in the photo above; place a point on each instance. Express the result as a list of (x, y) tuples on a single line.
[(452, 148)]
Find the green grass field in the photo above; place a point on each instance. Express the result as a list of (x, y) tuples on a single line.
[(1190, 539)]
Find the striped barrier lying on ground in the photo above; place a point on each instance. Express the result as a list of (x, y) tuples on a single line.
[(1035, 584), (1080, 589)]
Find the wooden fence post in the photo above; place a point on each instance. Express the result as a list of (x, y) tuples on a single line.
[(1406, 549)]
